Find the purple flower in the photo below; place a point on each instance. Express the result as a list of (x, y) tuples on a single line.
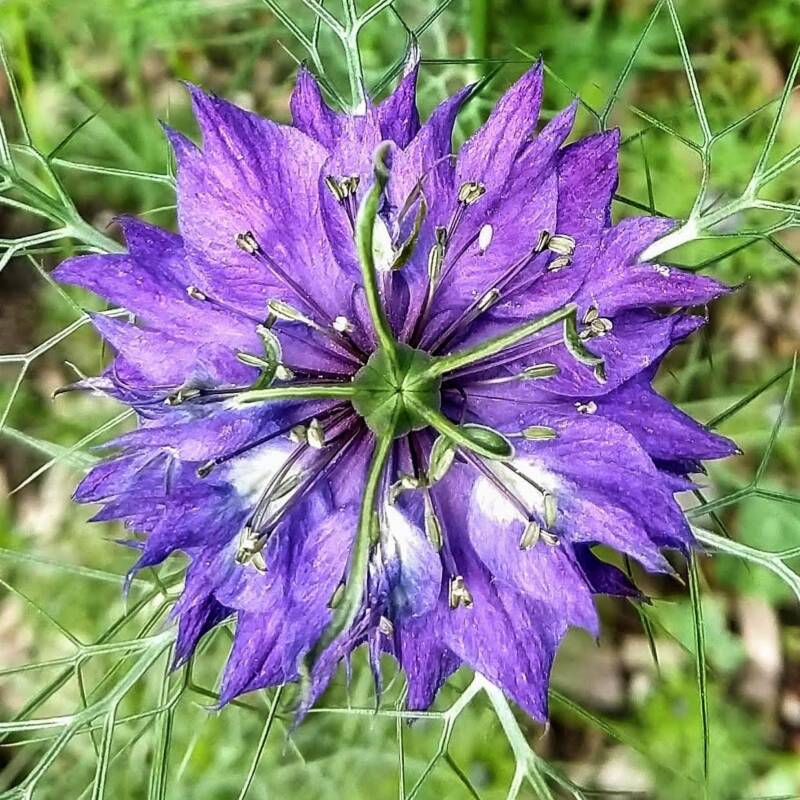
[(393, 396)]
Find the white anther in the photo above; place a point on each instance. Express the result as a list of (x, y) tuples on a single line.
[(470, 192), (298, 434), (488, 300), (342, 325), (485, 238), (315, 435), (385, 626), (530, 535), (559, 263), (459, 594), (586, 408), (286, 312), (561, 244), (247, 242), (195, 293)]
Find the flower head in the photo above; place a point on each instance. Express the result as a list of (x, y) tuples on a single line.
[(393, 396)]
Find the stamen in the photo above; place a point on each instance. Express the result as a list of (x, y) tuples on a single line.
[(557, 264), (433, 528), (535, 372), (333, 416), (436, 256), (535, 433), (485, 238), (432, 523), (301, 485), (470, 192), (530, 535), (441, 458), (252, 361), (561, 245), (494, 291), (586, 408), (342, 188), (181, 396), (577, 349), (406, 248), (550, 510), (249, 244), (459, 594), (512, 498), (405, 483), (550, 538), (196, 294), (488, 300), (435, 262), (342, 325), (267, 496), (498, 344), (298, 434), (283, 311), (524, 350), (385, 626), (315, 435), (249, 550), (533, 533), (539, 371)]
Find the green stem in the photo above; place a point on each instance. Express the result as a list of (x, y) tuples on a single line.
[(355, 69), (490, 347), (68, 216), (479, 27), (365, 228), (89, 235), (295, 393), (528, 763), (350, 601)]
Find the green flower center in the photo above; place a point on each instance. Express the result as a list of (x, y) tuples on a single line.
[(389, 391)]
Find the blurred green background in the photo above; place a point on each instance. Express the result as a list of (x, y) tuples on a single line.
[(95, 76)]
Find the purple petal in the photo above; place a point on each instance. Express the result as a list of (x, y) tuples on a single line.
[(488, 155)]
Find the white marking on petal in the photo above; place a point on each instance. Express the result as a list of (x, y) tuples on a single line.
[(420, 570), (382, 249), (250, 473), (494, 505)]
